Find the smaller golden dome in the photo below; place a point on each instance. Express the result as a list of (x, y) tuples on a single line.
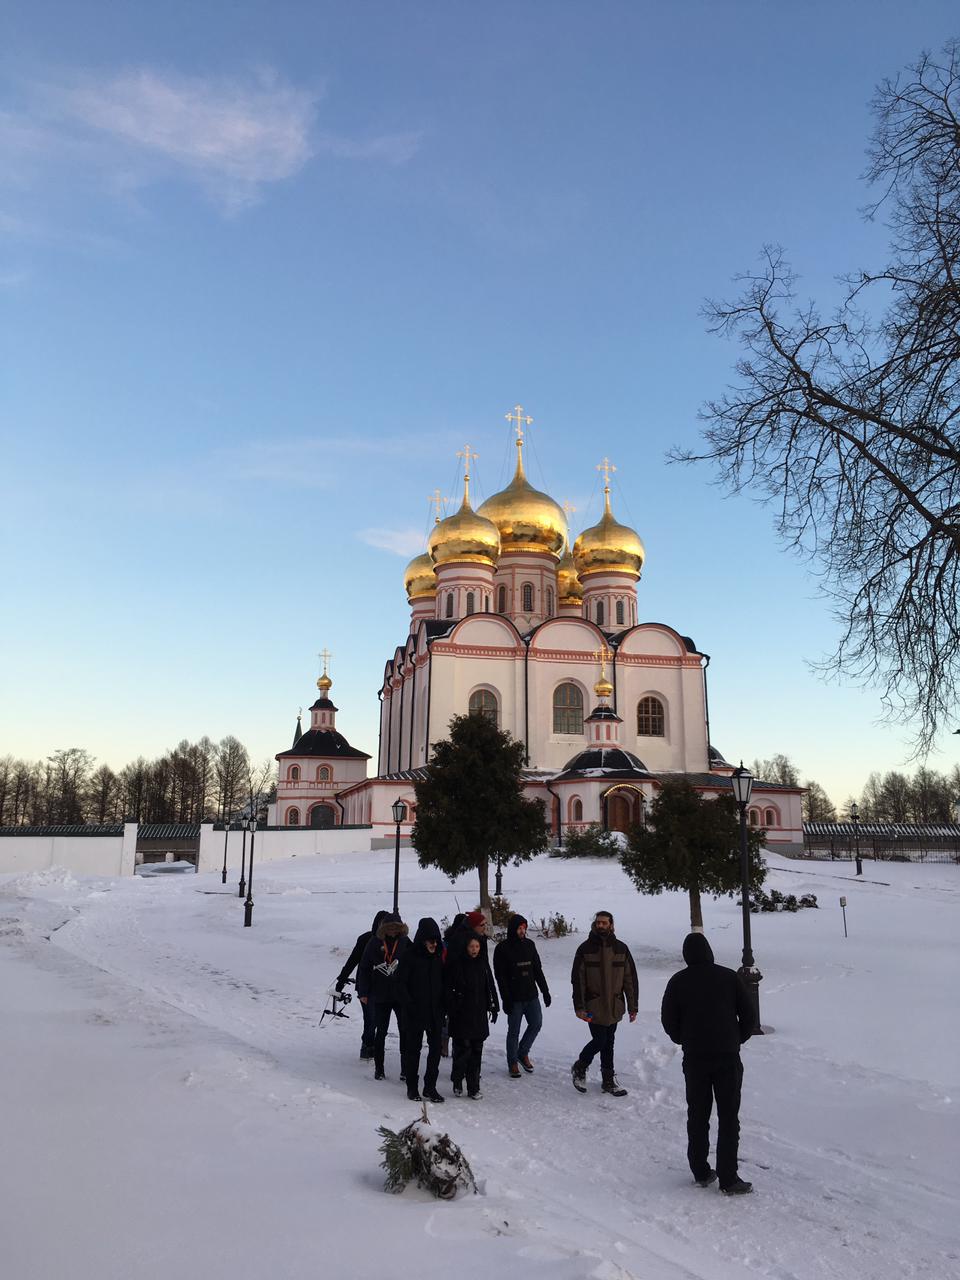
[(603, 688), (608, 547), (466, 537), (569, 589), (419, 579), (324, 683)]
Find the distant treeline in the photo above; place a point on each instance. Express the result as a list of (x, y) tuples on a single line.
[(195, 780), (927, 797)]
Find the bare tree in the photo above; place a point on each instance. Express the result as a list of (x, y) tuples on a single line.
[(817, 805), (231, 769), (849, 426), (778, 768)]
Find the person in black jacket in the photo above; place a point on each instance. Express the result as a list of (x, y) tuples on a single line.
[(377, 982), (706, 1009), (420, 989), (469, 998), (517, 969), (369, 1021)]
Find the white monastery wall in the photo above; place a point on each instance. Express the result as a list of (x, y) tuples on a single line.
[(290, 842), (83, 855)]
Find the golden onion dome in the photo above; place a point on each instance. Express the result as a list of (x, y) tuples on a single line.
[(467, 537), (608, 547), (527, 519), (603, 688), (419, 579), (324, 683), (569, 588)]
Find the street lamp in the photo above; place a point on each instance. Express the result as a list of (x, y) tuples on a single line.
[(855, 816), (226, 837), (248, 905), (399, 814), (742, 783), (243, 861), (498, 887)]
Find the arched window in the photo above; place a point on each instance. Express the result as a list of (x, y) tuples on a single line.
[(567, 709), (294, 773), (754, 818), (770, 818), (528, 597), (650, 719), (501, 599), (450, 605), (599, 613), (577, 814), (323, 773), (549, 602), (486, 604), (293, 817), (484, 703), (620, 613), (471, 600)]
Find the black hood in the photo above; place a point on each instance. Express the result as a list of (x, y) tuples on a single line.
[(513, 924), (427, 931), (696, 949), (378, 920)]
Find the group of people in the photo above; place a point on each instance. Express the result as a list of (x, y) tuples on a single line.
[(442, 989)]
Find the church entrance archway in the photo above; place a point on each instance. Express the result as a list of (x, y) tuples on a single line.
[(322, 815), (619, 814)]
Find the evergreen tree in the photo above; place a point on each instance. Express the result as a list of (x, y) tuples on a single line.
[(471, 807), (817, 805), (691, 844)]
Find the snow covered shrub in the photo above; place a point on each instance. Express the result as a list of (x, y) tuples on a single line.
[(500, 911), (589, 842), (777, 901), (423, 1154), (555, 925)]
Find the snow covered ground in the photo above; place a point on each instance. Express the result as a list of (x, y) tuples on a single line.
[(171, 1108)]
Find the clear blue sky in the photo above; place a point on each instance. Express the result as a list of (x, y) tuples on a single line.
[(264, 268)]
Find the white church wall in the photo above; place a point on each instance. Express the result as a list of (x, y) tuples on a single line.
[(84, 855), (290, 842)]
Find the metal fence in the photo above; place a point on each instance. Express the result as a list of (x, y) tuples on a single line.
[(882, 841)]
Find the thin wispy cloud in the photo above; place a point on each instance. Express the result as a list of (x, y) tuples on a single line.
[(401, 542), (232, 136)]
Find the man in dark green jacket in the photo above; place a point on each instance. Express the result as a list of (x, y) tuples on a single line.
[(604, 981)]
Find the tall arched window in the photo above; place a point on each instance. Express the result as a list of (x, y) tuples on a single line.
[(549, 602), (770, 818), (599, 613), (293, 817), (484, 703), (294, 773), (471, 601), (577, 815), (650, 718), (450, 605), (501, 599), (619, 613), (528, 597), (323, 773), (754, 818), (567, 709)]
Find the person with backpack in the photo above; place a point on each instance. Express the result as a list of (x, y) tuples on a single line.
[(519, 975), (377, 982)]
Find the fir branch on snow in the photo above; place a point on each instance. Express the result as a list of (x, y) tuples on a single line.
[(422, 1153)]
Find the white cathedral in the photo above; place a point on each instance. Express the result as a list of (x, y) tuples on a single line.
[(507, 620)]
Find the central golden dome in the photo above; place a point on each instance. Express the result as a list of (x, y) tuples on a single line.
[(466, 537), (419, 579), (608, 547), (527, 519)]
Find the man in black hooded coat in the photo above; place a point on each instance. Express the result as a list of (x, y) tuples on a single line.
[(706, 1009), (519, 974), (369, 1018), (420, 990), (377, 981)]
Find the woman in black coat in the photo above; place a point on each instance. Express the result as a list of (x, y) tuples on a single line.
[(420, 990), (469, 1001)]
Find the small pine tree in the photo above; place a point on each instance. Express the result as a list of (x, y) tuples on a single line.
[(423, 1154), (471, 806), (693, 845), (589, 842)]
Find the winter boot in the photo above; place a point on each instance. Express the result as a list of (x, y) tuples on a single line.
[(379, 1073), (612, 1086), (474, 1094), (431, 1095), (579, 1073), (458, 1088), (526, 1063), (413, 1095), (738, 1188), (708, 1180), (514, 1070)]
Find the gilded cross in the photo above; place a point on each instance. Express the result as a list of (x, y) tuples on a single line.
[(467, 455), (568, 510), (607, 467), (438, 502), (520, 418), (603, 656), (324, 655)]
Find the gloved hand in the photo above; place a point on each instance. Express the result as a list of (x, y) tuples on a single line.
[(493, 1015), (546, 999), (340, 984)]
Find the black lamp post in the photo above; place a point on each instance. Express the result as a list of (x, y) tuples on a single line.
[(742, 783), (243, 862), (399, 813), (855, 817), (498, 886), (248, 904), (226, 837)]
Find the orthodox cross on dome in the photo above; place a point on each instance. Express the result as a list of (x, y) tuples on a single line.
[(603, 656), (439, 503), (568, 510), (325, 655), (467, 454), (521, 419), (607, 467)]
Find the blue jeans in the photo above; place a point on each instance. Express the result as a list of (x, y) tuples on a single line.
[(531, 1010)]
